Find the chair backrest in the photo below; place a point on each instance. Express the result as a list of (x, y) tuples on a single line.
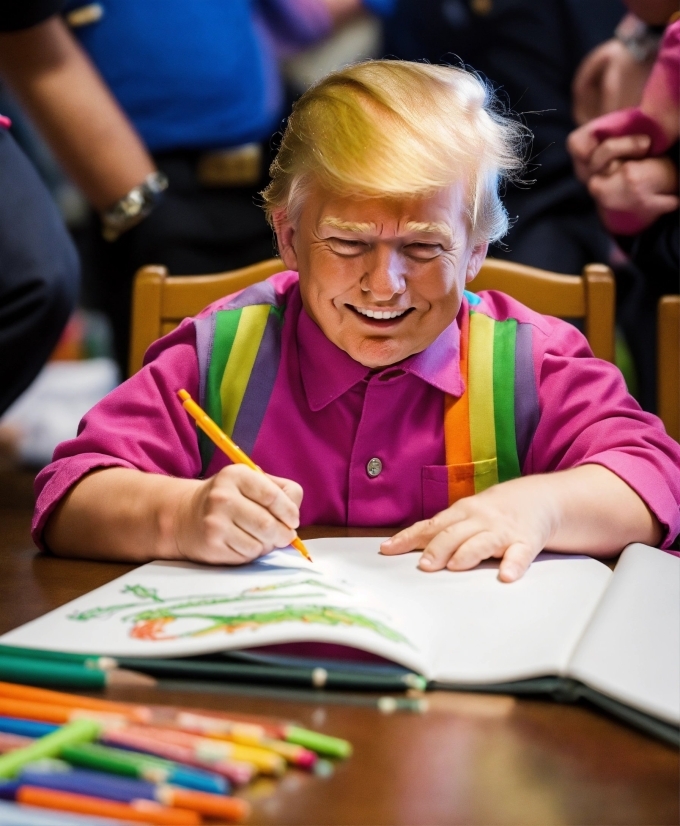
[(668, 363), (160, 301)]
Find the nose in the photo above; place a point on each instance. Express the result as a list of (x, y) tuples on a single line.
[(385, 274)]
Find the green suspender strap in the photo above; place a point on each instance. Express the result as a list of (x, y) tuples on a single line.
[(488, 429), (239, 350)]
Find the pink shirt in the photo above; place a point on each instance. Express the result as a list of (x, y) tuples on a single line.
[(328, 416)]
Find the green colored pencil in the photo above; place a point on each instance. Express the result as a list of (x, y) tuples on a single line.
[(58, 674), (87, 660), (79, 731), (274, 674)]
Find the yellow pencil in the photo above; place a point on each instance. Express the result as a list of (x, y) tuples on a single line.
[(233, 451)]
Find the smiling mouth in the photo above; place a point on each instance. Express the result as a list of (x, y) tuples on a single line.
[(380, 315)]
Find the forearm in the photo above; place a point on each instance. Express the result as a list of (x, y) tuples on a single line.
[(74, 110), (595, 511), (120, 514)]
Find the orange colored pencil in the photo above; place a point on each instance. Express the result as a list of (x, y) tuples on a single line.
[(61, 698), (48, 713), (232, 809), (225, 444), (143, 811)]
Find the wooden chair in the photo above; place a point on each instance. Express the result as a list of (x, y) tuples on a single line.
[(161, 301), (668, 363)]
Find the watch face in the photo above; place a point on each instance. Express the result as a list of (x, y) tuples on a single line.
[(133, 203)]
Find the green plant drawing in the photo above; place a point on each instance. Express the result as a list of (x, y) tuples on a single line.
[(152, 615)]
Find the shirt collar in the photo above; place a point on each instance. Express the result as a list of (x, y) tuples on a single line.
[(328, 372)]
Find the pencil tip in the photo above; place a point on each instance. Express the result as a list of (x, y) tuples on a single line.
[(123, 677)]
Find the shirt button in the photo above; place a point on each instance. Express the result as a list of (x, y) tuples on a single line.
[(374, 467)]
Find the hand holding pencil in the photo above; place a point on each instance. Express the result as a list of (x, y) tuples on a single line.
[(241, 512)]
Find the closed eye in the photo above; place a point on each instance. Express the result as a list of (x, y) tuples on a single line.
[(422, 251), (347, 246)]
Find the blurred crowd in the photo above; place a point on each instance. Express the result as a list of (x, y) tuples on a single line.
[(149, 126)]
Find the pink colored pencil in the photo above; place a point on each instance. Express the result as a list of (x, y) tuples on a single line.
[(9, 742), (236, 772)]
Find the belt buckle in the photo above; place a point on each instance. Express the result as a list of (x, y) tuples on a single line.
[(240, 166)]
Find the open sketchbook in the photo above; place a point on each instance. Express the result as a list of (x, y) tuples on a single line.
[(570, 626)]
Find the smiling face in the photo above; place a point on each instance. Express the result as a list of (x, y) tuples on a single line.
[(382, 277)]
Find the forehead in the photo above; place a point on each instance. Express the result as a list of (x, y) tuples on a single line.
[(439, 212)]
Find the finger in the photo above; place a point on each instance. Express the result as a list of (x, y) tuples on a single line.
[(420, 534), (292, 489), (626, 147), (261, 489), (261, 524), (516, 561), (227, 544), (476, 549), (439, 551)]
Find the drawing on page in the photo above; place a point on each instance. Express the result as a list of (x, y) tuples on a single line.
[(155, 618)]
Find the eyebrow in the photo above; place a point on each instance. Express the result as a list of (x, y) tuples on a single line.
[(433, 227), (348, 226)]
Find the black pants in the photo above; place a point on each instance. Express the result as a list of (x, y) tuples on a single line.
[(39, 272), (194, 230)]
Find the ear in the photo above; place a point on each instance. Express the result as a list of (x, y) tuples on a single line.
[(285, 238), (475, 261)]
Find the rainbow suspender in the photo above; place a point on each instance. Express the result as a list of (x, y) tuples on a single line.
[(487, 431)]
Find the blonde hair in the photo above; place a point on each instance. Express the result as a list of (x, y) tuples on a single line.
[(395, 128)]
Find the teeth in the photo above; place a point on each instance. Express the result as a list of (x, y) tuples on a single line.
[(380, 313)]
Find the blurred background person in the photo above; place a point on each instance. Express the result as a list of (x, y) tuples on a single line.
[(39, 272), (530, 52), (162, 114), (628, 158)]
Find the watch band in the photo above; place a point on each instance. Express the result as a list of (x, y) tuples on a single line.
[(133, 207), (641, 40)]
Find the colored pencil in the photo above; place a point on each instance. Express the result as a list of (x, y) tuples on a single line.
[(297, 755), (88, 660), (11, 742), (143, 767), (55, 714), (225, 444), (210, 750), (13, 814), (235, 771), (143, 811), (26, 728), (50, 745), (275, 674), (44, 672), (125, 790), (60, 698)]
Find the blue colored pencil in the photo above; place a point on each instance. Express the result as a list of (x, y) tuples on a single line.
[(25, 728), (95, 784)]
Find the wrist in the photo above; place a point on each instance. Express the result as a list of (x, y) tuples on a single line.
[(174, 522), (133, 207), (641, 40)]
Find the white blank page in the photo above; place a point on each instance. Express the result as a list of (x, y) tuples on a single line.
[(631, 650)]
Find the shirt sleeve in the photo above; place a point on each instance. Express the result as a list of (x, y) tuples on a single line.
[(140, 425), (16, 15), (587, 416)]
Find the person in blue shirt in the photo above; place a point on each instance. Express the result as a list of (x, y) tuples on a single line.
[(185, 94)]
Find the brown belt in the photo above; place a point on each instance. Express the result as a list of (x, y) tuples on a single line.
[(239, 166)]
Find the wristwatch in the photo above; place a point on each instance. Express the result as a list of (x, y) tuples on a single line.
[(133, 207), (641, 40)]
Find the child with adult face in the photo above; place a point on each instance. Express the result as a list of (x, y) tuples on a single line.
[(366, 377)]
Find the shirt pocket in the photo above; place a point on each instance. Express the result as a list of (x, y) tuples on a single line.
[(466, 479)]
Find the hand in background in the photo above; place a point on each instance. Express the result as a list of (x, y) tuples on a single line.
[(592, 157), (236, 516), (632, 195), (608, 78)]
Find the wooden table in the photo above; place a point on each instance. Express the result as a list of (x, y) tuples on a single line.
[(470, 759)]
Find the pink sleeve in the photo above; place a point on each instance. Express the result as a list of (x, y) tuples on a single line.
[(141, 425), (587, 416)]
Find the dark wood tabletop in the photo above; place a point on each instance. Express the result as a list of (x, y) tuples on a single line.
[(469, 759)]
